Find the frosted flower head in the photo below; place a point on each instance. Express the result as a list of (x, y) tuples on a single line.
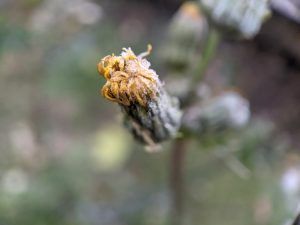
[(150, 114), (244, 17), (228, 110), (236, 108), (129, 79)]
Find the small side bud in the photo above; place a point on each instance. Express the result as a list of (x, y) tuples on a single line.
[(186, 35), (226, 111)]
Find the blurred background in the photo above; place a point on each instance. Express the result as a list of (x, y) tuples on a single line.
[(65, 156)]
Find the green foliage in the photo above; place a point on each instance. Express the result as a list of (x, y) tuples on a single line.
[(71, 163)]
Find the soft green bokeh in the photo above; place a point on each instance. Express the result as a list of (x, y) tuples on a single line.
[(67, 160)]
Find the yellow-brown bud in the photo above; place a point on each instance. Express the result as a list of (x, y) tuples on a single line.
[(129, 79), (150, 114)]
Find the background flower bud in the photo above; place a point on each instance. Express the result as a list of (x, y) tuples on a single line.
[(241, 17), (186, 34), (228, 110)]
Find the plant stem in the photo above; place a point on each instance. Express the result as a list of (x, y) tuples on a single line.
[(209, 52), (177, 181), (180, 145), (297, 220)]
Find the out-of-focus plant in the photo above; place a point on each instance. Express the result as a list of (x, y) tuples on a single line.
[(59, 167), (153, 116), (185, 38), (241, 18), (150, 113)]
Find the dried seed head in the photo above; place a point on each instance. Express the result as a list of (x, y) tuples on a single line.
[(129, 79), (149, 112)]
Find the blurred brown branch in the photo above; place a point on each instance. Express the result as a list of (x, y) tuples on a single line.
[(297, 220), (177, 180)]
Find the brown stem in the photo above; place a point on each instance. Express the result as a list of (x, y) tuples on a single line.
[(297, 220), (177, 181), (180, 145)]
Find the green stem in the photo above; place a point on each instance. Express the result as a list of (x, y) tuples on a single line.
[(180, 145), (207, 56)]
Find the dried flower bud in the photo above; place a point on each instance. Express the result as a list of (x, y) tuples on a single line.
[(150, 113), (244, 17), (186, 34)]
